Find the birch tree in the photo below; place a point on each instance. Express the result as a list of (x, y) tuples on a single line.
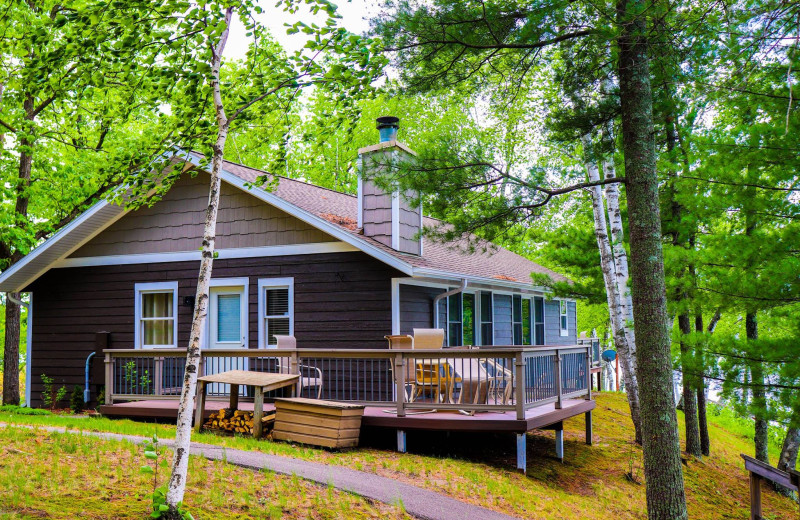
[(611, 263), (332, 59)]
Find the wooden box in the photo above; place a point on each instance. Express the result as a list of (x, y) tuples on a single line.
[(319, 423)]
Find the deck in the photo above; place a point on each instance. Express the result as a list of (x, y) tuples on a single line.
[(498, 389), (538, 418)]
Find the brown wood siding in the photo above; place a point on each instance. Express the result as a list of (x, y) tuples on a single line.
[(416, 307), (341, 300), (176, 224)]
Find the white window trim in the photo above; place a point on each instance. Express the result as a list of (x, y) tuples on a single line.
[(140, 288), (230, 282), (565, 305), (263, 283)]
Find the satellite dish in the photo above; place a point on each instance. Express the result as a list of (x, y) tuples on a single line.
[(609, 355)]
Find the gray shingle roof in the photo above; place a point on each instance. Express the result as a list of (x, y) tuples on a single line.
[(342, 209)]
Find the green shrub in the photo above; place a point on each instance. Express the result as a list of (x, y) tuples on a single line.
[(52, 395), (76, 403)]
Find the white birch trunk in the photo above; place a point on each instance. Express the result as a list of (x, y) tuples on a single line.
[(620, 257), (609, 270), (180, 462)]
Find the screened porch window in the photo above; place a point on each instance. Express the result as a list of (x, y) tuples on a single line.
[(277, 310), (563, 317), (487, 329), (538, 320), (156, 315), (526, 321), (454, 320), (468, 304)]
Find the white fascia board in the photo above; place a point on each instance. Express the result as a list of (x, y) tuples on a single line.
[(188, 256), (318, 222), (473, 280), (55, 239)]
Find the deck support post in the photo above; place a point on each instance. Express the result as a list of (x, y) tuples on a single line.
[(588, 416), (400, 385), (560, 442), (522, 452), (200, 404), (519, 375), (559, 389), (109, 380), (755, 496), (401, 441), (588, 374)]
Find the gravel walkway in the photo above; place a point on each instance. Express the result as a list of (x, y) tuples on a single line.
[(421, 503)]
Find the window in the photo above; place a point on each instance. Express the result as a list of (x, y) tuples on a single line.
[(487, 330), (156, 311), (526, 321), (516, 318), (468, 320), (563, 317), (454, 320), (276, 310), (227, 313), (538, 320)]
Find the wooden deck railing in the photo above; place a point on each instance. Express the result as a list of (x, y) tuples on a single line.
[(460, 378)]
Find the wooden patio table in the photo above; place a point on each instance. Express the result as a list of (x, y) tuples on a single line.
[(261, 381)]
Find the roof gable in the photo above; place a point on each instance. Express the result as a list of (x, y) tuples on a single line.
[(320, 210)]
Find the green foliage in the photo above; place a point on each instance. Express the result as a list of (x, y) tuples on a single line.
[(133, 379), (76, 402), (22, 410), (52, 394), (155, 453)]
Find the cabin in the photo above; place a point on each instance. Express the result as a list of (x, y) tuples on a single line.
[(112, 296)]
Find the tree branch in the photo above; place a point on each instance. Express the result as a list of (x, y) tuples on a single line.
[(497, 46)]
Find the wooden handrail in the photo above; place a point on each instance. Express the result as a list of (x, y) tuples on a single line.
[(762, 471), (514, 359)]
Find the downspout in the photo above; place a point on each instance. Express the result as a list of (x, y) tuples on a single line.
[(439, 298), (86, 395), (28, 346)]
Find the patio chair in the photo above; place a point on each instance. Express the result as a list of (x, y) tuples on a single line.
[(483, 379), (435, 376), (306, 381)]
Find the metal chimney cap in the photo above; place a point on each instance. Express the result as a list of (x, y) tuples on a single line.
[(388, 122)]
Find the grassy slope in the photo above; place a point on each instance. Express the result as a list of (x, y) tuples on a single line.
[(64, 476), (589, 484)]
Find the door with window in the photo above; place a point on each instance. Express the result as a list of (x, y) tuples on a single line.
[(227, 329)]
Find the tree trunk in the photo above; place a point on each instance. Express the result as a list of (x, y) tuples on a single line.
[(180, 462), (689, 394), (702, 417), (663, 471), (620, 259), (788, 458), (11, 352), (757, 381), (12, 337), (612, 294)]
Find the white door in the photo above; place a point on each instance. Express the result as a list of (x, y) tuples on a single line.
[(227, 329)]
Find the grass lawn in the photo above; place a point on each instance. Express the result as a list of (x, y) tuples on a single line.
[(66, 476), (590, 484)]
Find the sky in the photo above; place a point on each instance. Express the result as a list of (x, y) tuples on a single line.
[(355, 15)]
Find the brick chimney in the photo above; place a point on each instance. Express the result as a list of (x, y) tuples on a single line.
[(387, 217)]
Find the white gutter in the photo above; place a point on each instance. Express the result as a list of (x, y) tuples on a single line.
[(440, 297)]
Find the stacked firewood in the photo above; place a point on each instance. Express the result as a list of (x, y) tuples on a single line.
[(237, 421)]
